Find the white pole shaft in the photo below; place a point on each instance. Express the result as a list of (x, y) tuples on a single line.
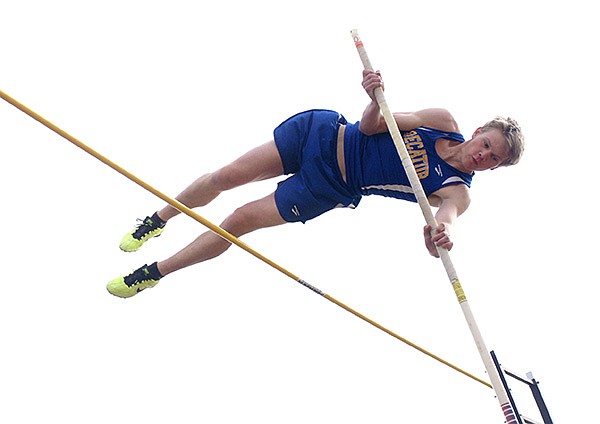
[(444, 254)]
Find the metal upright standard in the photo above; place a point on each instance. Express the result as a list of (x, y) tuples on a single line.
[(535, 391)]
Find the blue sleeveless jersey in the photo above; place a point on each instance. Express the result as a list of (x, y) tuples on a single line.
[(373, 165)]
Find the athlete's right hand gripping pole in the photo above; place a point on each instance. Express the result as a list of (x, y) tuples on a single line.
[(501, 394)]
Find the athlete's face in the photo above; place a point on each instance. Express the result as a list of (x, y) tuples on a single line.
[(486, 150)]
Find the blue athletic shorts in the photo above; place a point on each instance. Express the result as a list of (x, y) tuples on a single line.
[(307, 144)]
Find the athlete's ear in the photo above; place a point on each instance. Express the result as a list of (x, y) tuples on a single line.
[(477, 131)]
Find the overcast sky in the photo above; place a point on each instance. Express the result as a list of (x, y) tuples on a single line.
[(171, 90)]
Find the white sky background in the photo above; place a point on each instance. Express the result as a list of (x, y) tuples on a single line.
[(170, 90)]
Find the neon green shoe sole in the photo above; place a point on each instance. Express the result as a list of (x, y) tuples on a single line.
[(132, 284)]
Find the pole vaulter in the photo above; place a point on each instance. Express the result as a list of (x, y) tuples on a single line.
[(409, 168), (422, 200)]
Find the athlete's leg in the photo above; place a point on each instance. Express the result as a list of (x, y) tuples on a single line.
[(258, 214), (253, 216), (258, 164)]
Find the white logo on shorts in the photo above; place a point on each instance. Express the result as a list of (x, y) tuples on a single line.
[(295, 210)]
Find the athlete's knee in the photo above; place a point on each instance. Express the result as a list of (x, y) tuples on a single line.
[(240, 222), (253, 216)]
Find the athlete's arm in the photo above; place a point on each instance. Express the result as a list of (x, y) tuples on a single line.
[(451, 201), (372, 121)]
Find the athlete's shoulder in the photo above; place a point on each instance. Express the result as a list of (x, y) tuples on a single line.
[(438, 118)]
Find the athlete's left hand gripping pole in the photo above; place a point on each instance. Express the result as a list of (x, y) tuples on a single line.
[(501, 394)]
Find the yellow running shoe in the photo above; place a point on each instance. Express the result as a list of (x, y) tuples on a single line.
[(142, 278), (151, 226)]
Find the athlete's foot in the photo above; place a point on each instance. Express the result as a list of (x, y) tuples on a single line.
[(151, 226), (142, 278)]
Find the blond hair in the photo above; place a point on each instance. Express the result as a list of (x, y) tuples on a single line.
[(513, 136)]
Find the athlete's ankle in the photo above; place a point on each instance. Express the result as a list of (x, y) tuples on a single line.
[(159, 219), (155, 273), (160, 269)]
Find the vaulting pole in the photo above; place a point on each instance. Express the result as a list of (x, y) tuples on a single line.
[(224, 234), (501, 394)]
